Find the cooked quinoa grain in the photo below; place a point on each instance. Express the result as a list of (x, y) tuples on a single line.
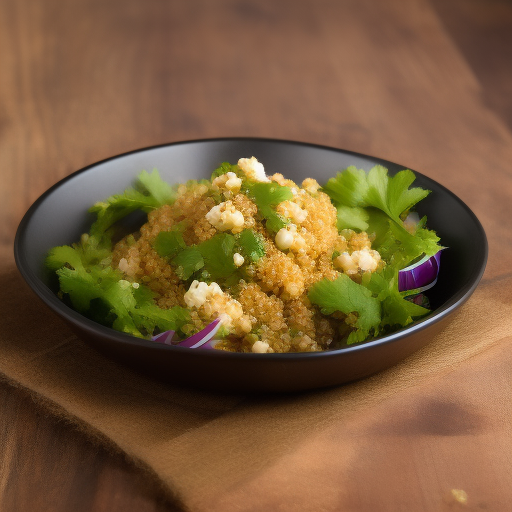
[(260, 297), (256, 263)]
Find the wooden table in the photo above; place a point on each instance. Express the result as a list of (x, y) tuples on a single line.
[(84, 80)]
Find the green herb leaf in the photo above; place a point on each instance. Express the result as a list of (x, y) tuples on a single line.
[(150, 192), (152, 185), (224, 168), (99, 291), (399, 247), (352, 217), (267, 196), (169, 243), (348, 187), (354, 188), (217, 253), (346, 296), (396, 310), (187, 262), (251, 244)]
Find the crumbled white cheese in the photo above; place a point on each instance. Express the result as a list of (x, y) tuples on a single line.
[(225, 217), (288, 238), (238, 259), (284, 239), (293, 211), (345, 262), (217, 304), (260, 347), (229, 313), (199, 292), (123, 265), (310, 185), (228, 183), (366, 260), (253, 169)]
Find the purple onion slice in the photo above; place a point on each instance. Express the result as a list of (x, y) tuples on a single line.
[(421, 275), (202, 339), (164, 337)]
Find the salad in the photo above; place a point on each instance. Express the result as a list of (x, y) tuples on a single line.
[(247, 262)]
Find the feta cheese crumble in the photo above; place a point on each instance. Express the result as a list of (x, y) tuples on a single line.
[(200, 292), (238, 259), (216, 303), (260, 347), (365, 260), (225, 217), (253, 169), (288, 238), (292, 211), (229, 184)]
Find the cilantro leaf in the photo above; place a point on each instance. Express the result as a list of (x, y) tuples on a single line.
[(60, 256), (152, 185), (393, 195), (217, 253), (396, 310), (251, 244), (267, 196), (187, 262), (354, 188), (99, 291), (150, 192), (149, 317), (224, 168), (398, 247), (352, 217), (346, 296), (214, 257), (348, 187), (374, 202), (169, 243)]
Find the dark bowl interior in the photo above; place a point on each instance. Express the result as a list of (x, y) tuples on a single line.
[(61, 215)]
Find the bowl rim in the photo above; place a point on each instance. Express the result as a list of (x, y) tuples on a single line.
[(95, 329)]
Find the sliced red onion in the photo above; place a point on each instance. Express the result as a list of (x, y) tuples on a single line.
[(202, 339), (421, 275), (164, 337)]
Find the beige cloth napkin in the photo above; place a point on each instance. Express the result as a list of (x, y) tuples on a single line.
[(203, 446)]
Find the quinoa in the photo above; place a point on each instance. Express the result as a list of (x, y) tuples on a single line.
[(266, 309)]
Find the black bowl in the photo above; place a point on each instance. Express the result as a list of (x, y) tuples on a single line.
[(60, 215)]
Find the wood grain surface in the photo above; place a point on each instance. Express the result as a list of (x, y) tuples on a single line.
[(85, 80)]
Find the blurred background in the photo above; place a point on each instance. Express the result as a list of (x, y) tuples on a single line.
[(424, 83), (83, 80)]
